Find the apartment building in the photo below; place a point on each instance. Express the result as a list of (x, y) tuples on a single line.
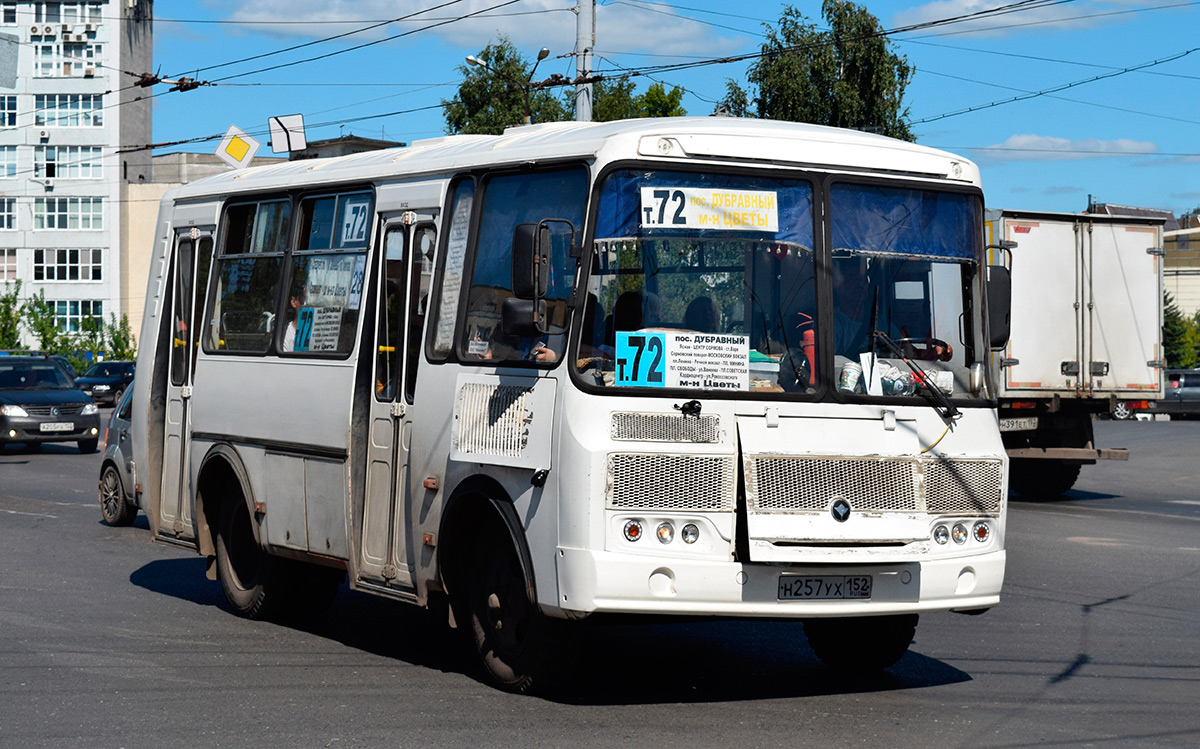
[(68, 108)]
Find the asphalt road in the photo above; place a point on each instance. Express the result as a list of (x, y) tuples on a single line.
[(108, 640)]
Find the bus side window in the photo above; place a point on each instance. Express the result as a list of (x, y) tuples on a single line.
[(420, 280), (391, 306), (248, 276)]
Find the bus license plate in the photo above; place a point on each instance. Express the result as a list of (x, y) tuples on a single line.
[(1024, 424), (806, 588), (56, 426)]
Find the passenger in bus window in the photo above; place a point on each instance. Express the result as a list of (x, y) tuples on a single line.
[(289, 333), (702, 316)]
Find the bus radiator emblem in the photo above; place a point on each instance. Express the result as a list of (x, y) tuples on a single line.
[(840, 510)]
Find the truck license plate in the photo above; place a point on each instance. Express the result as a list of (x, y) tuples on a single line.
[(1023, 424), (56, 426), (807, 588)]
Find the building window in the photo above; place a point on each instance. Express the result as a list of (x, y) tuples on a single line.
[(68, 213), (53, 58), (71, 314), (8, 162), (66, 162), (8, 14), (8, 265), (70, 13), (8, 213), (68, 110), (8, 111), (68, 265)]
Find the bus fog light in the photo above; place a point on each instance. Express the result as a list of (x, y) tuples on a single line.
[(982, 531), (941, 534), (633, 530), (666, 533), (690, 533), (959, 533)]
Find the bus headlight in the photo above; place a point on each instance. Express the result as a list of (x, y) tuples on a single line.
[(959, 533), (690, 533), (666, 533), (941, 534), (633, 530)]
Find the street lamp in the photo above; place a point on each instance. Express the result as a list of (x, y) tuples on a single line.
[(525, 86)]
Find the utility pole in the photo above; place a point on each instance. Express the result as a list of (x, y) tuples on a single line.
[(585, 41)]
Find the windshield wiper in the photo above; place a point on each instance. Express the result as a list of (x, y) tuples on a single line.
[(925, 386)]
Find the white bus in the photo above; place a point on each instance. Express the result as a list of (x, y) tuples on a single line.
[(689, 366)]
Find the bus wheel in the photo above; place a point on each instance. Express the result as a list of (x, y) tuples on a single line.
[(863, 643), (114, 508), (512, 638), (247, 573), (1048, 478)]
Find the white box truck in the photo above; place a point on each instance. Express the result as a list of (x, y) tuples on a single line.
[(1085, 336)]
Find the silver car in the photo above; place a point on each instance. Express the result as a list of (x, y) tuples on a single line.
[(118, 504)]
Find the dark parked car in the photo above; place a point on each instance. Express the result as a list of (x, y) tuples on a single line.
[(118, 504), (39, 403), (1181, 396), (106, 381)]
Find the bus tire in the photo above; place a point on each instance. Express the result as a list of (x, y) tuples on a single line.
[(861, 643), (1033, 478), (248, 574), (113, 507), (514, 642)]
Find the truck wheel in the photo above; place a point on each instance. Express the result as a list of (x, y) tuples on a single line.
[(515, 643), (1121, 411), (1042, 478), (862, 643), (114, 508), (248, 574)]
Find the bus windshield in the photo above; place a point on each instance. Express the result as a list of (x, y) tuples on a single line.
[(709, 282)]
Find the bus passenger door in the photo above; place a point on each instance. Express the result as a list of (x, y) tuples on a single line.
[(193, 259), (403, 297)]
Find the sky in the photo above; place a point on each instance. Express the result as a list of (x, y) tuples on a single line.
[(1056, 100)]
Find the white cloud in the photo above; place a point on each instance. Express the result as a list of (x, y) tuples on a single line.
[(1048, 148), (1062, 190), (529, 24)]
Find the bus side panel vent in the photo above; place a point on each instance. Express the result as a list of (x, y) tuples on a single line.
[(503, 422), (698, 483), (658, 427)]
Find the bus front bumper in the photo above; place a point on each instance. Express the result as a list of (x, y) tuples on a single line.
[(598, 581)]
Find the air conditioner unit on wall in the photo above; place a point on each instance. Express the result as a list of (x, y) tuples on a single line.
[(89, 72), (48, 31)]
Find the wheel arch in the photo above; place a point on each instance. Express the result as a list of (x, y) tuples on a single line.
[(221, 471), (478, 507)]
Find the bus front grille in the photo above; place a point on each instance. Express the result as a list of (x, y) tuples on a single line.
[(699, 483), (658, 427), (803, 484)]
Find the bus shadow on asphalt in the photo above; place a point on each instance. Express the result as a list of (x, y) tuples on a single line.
[(615, 663), (1074, 495)]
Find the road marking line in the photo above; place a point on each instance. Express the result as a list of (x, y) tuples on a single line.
[(33, 514)]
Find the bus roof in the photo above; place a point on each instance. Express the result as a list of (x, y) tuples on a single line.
[(675, 140)]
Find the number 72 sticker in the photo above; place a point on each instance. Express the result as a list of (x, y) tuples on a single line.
[(641, 359), (709, 208)]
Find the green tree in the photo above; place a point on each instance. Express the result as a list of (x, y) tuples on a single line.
[(489, 100), (1180, 336), (616, 100), (119, 341), (847, 76), (10, 316), (41, 320)]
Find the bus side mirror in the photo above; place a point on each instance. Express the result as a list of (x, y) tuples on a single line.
[(999, 301), (530, 261), (524, 318)]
